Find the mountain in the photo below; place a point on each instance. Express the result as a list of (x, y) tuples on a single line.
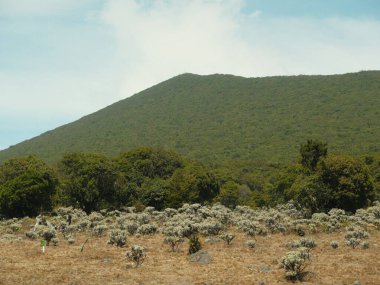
[(219, 117)]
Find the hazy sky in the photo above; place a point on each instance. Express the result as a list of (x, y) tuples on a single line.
[(63, 59)]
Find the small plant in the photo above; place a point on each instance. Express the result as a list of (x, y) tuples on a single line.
[(251, 243), (71, 240), (357, 233), (364, 245), (353, 242), (303, 242), (131, 228), (54, 241), (31, 235), (136, 255), (334, 244), (300, 231), (194, 244), (48, 235), (307, 242), (294, 263), (227, 237), (174, 242), (118, 238), (99, 230), (15, 227), (147, 229)]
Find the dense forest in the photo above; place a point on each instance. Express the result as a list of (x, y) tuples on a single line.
[(216, 118), (146, 176)]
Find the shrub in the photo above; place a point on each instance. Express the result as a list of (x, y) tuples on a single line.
[(99, 230), (136, 255), (118, 238), (251, 243), (48, 235), (15, 227), (303, 242), (194, 244), (147, 229), (55, 241), (31, 235), (364, 245), (357, 233), (307, 242), (294, 263), (227, 237), (334, 244), (131, 228), (300, 230), (174, 242), (353, 242)]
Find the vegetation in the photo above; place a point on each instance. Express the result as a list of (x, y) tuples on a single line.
[(222, 117), (147, 177), (276, 228), (27, 186)]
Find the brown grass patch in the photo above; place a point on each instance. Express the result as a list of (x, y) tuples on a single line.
[(22, 262)]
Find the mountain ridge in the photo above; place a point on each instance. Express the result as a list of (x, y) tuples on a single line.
[(220, 116)]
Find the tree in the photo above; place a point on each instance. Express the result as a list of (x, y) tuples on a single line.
[(312, 152), (339, 182), (145, 162), (229, 195), (88, 181), (27, 186), (349, 182), (192, 184)]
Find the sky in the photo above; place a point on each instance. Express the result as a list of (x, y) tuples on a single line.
[(61, 60)]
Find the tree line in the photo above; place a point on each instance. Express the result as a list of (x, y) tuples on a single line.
[(160, 178)]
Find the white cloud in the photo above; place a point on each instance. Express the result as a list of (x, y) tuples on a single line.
[(82, 72), (173, 37), (63, 94), (22, 8)]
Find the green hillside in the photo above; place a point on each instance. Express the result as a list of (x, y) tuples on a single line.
[(219, 117)]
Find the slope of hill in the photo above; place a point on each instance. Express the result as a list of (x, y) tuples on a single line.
[(218, 117)]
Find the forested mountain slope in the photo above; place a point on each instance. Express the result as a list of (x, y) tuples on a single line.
[(219, 117)]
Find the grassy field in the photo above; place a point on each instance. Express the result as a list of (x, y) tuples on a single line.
[(22, 261)]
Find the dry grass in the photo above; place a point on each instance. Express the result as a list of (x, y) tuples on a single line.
[(22, 262)]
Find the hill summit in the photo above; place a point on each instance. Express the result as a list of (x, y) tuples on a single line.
[(220, 117)]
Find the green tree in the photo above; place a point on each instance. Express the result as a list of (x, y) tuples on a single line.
[(229, 195), (312, 152), (192, 184), (154, 193), (27, 186), (145, 162), (88, 181), (349, 182)]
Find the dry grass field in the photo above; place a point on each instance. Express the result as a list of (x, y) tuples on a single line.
[(22, 262)]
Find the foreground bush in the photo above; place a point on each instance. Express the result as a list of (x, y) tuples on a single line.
[(294, 263), (136, 255)]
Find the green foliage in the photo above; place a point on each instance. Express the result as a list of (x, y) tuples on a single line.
[(194, 244), (222, 117), (339, 182), (87, 181), (192, 184), (312, 152), (27, 186), (144, 162), (229, 195), (349, 182)]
